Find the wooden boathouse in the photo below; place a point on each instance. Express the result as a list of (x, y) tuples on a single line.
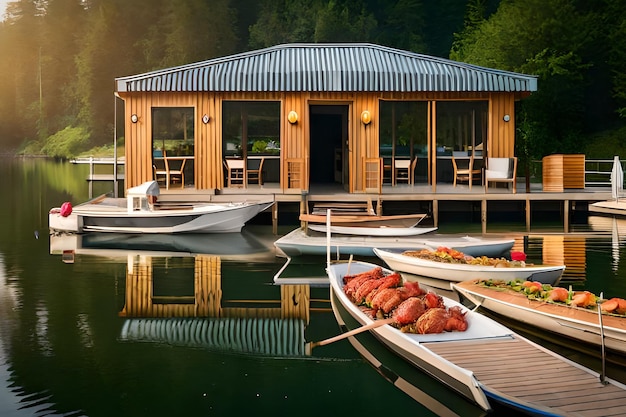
[(367, 121)]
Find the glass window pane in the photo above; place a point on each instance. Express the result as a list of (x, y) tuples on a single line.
[(173, 129), (461, 126), (255, 124)]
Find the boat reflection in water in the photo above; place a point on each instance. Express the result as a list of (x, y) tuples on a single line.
[(243, 245)]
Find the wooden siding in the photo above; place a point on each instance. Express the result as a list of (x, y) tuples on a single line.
[(363, 140), (501, 134)]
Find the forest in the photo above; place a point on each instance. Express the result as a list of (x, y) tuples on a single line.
[(60, 58)]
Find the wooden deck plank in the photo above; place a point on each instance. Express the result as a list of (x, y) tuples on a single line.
[(520, 369)]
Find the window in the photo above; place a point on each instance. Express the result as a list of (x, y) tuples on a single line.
[(250, 128), (461, 126), (173, 129), (403, 129)]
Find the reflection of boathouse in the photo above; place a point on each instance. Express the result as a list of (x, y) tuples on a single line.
[(169, 304), (153, 291), (348, 114)]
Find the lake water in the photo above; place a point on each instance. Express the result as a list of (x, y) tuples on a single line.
[(122, 332)]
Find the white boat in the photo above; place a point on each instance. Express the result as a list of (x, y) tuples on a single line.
[(373, 231), (488, 363), (573, 323), (442, 274), (140, 213), (298, 242)]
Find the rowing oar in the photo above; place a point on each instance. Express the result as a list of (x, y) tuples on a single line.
[(373, 325)]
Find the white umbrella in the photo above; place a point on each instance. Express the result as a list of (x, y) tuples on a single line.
[(617, 178)]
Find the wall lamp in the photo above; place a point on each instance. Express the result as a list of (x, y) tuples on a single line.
[(506, 118), (366, 117), (292, 117), (205, 119), (134, 118)]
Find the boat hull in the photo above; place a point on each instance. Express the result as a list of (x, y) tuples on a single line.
[(298, 242), (206, 218), (446, 273), (578, 324), (373, 231)]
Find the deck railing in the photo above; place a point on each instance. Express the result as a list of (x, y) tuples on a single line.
[(598, 172)]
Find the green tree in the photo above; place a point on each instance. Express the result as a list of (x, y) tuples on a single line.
[(551, 39), (20, 43), (284, 21)]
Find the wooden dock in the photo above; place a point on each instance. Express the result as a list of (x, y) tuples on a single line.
[(514, 368)]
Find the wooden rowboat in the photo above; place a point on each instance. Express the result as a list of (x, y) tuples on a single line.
[(579, 324), (488, 363), (366, 220)]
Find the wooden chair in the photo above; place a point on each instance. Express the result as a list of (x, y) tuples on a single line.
[(404, 170), (501, 170), (464, 169), (176, 173), (161, 172), (388, 167), (236, 172), (255, 170)]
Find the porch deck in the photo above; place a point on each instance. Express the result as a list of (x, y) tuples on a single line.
[(412, 195)]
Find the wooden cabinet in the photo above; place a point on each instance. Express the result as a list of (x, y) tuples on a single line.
[(562, 172)]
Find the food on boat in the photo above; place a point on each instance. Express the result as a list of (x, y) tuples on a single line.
[(352, 282), (433, 300), (447, 255), (456, 320), (369, 288), (614, 305), (409, 311), (406, 304), (432, 321), (583, 299), (532, 287), (558, 295)]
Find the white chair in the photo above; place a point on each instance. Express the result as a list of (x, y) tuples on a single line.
[(501, 170), (404, 170)]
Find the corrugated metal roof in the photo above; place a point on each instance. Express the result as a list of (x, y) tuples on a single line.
[(328, 67)]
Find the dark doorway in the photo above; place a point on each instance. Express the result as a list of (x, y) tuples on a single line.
[(329, 133)]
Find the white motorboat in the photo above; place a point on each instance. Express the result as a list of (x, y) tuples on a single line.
[(141, 213), (373, 231)]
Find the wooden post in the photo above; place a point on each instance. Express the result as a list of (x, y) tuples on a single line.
[(527, 215), (436, 213), (566, 216), (91, 177), (275, 218), (483, 215)]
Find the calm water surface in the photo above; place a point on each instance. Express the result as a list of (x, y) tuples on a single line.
[(116, 331)]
